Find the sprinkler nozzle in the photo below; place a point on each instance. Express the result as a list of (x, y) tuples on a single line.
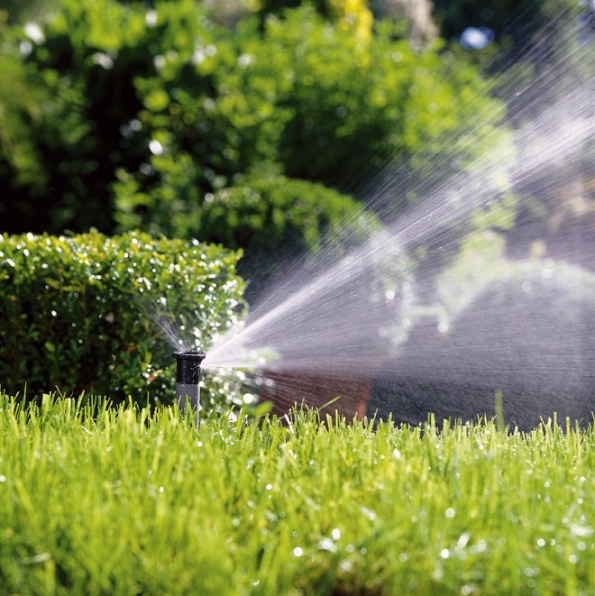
[(188, 379)]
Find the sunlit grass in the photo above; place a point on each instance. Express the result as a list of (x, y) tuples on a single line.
[(120, 501)]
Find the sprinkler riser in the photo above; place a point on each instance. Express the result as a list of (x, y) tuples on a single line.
[(188, 396), (188, 380)]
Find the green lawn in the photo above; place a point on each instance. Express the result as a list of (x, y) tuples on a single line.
[(125, 502)]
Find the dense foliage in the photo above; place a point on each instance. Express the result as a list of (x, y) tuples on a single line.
[(353, 15), (75, 312), (129, 110)]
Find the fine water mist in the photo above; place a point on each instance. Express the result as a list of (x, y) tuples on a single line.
[(458, 297)]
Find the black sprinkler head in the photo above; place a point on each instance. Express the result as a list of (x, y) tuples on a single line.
[(188, 370), (188, 378)]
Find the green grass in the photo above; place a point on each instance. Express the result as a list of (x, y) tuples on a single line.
[(100, 501)]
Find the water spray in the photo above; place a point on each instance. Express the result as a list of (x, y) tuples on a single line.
[(188, 379)]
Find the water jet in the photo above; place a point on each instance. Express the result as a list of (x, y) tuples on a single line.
[(496, 256), (188, 380), (528, 335)]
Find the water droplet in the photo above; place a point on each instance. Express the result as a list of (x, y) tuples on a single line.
[(104, 60), (579, 530), (298, 551), (444, 553), (326, 544), (151, 18), (336, 534), (450, 513), (371, 515), (463, 540), (25, 48), (35, 34)]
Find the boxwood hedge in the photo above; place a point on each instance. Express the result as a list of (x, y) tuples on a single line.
[(73, 312)]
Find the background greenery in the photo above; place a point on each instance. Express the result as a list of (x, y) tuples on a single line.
[(127, 110)]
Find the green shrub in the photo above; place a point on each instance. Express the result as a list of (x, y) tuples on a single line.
[(352, 107), (161, 106), (70, 312), (352, 15)]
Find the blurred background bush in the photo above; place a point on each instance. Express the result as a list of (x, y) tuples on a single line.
[(117, 112)]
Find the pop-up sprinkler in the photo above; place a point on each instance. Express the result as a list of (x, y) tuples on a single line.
[(188, 379)]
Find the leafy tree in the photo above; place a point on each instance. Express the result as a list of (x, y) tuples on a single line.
[(83, 61)]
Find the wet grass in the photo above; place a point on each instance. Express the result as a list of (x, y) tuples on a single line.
[(101, 501)]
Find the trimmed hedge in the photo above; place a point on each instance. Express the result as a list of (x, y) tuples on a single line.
[(71, 312)]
